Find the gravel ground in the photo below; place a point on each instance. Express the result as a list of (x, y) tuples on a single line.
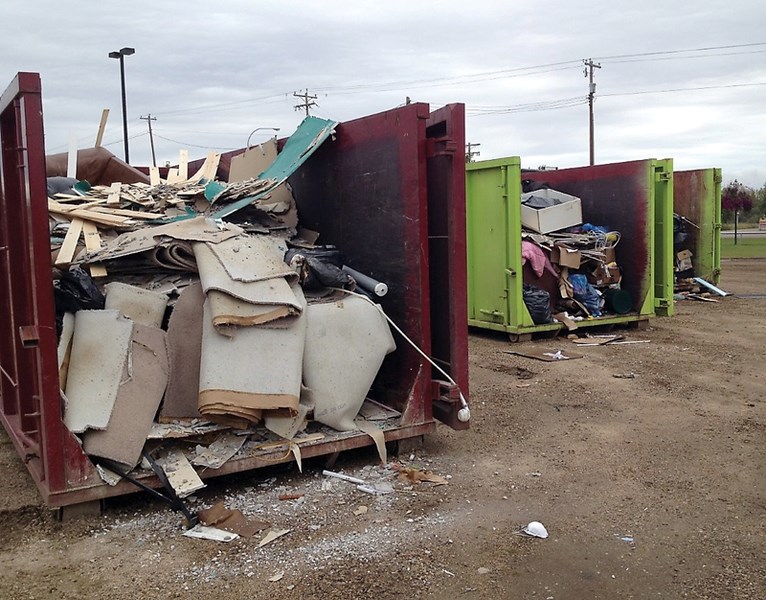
[(651, 487)]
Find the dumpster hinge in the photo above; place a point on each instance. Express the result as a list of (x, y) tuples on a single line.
[(446, 403)]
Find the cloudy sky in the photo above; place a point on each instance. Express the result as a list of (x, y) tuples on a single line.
[(685, 80)]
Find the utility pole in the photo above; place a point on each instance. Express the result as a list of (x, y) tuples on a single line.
[(589, 66), (308, 101), (149, 118), (469, 154)]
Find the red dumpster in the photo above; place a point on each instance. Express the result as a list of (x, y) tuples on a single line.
[(389, 190)]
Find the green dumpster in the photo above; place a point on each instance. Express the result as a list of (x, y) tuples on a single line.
[(697, 197), (634, 198)]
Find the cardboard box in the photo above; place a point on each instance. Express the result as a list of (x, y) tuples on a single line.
[(566, 257), (605, 275), (684, 260), (553, 218)]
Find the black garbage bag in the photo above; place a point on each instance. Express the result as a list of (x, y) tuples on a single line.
[(538, 303), (75, 291), (320, 268), (680, 234)]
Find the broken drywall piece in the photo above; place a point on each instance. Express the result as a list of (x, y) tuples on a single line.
[(220, 451), (346, 342), (287, 426), (375, 411), (141, 306), (253, 161), (184, 349), (138, 399), (109, 477), (245, 258), (199, 229), (204, 532), (273, 535), (169, 431), (231, 520), (100, 347), (181, 475)]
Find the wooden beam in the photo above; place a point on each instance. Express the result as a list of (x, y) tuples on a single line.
[(66, 252), (114, 194), (101, 127), (71, 165), (183, 165), (93, 243), (88, 215)]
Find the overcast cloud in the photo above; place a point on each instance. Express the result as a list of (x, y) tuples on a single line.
[(213, 72)]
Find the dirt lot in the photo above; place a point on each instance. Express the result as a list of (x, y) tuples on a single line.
[(650, 487)]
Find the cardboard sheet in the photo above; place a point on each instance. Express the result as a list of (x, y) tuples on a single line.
[(144, 380), (99, 351)]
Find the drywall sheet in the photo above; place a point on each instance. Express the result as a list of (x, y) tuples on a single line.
[(145, 377), (99, 350), (311, 133), (245, 258), (256, 368), (199, 229), (346, 342), (181, 475), (253, 161), (141, 306), (220, 451), (287, 425), (184, 349)]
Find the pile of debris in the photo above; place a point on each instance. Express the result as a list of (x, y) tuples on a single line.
[(578, 260), (198, 310)]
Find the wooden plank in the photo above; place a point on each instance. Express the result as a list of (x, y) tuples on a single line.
[(114, 194), (101, 127), (66, 252), (71, 165), (208, 169), (88, 215), (124, 212), (183, 165), (93, 243), (154, 176)]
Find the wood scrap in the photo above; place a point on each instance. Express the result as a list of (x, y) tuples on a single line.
[(67, 250), (92, 244)]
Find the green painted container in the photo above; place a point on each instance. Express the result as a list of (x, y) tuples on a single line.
[(635, 198), (697, 196)]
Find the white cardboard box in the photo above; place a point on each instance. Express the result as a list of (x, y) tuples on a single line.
[(553, 218)]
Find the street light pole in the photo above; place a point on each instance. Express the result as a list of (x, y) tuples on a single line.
[(247, 147), (121, 54)]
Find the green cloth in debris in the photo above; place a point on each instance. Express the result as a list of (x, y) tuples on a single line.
[(299, 146)]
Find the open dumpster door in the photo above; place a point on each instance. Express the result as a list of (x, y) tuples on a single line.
[(445, 135)]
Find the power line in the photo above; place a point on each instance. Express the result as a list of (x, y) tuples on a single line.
[(167, 139), (689, 89), (661, 52)]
